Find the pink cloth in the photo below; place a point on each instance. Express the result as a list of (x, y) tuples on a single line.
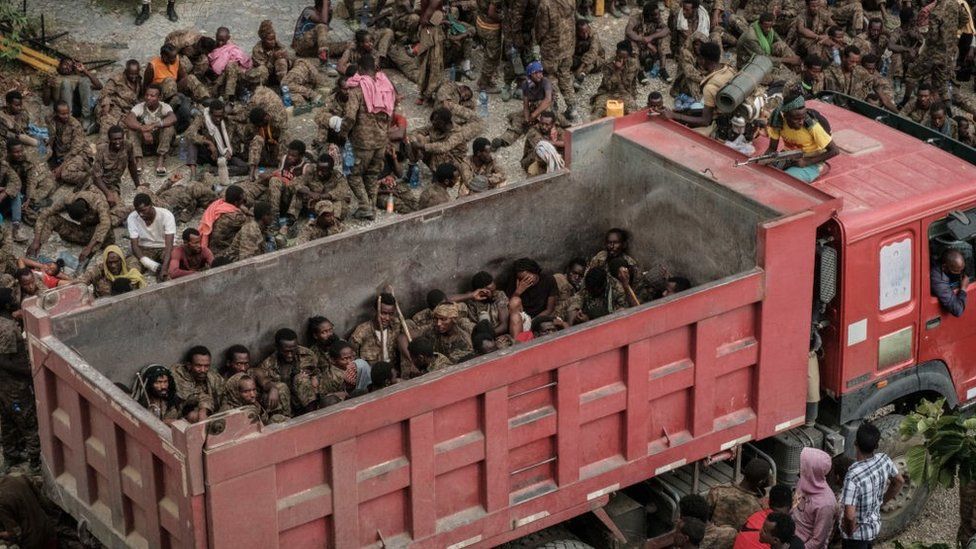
[(222, 56), (216, 209), (816, 510), (378, 92)]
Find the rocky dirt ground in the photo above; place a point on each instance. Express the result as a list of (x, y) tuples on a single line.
[(102, 29)]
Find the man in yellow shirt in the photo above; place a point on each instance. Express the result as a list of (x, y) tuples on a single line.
[(800, 130)]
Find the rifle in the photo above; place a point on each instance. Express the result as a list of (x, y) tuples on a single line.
[(766, 159)]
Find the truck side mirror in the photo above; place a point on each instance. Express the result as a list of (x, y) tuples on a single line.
[(827, 273)]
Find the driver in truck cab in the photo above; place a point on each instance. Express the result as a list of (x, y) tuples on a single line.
[(799, 129), (949, 281)]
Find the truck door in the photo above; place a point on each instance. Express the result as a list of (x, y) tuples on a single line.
[(945, 337), (898, 300)]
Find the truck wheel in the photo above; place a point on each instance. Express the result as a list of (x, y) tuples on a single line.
[(902, 510), (565, 544), (542, 538)]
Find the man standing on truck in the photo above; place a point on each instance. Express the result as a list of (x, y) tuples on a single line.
[(799, 129), (870, 483), (949, 281)]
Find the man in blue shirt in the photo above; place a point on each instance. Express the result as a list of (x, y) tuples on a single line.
[(949, 281)]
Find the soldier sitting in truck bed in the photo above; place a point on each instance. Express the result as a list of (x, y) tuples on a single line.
[(200, 388)]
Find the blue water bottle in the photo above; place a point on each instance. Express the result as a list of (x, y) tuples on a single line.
[(184, 149), (413, 176), (286, 96), (483, 104), (348, 159)]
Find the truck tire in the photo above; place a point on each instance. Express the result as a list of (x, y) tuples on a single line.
[(541, 538), (902, 510), (565, 544)]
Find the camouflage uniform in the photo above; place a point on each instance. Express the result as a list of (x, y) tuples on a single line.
[(491, 172), (12, 126), (849, 14), (596, 306), (914, 112), (517, 29), (568, 301), (18, 416), (232, 401), (817, 22), (455, 345), (450, 147), (335, 189), (488, 310), (94, 228), (858, 83), (439, 362), (303, 80), (248, 242), (731, 505), (424, 318), (116, 100), (302, 377), (588, 56), (76, 172), (718, 537), (531, 161), (490, 34), (432, 195), (367, 344), (8, 255), (688, 76), (267, 70), (555, 29), (185, 198), (67, 139), (33, 185), (268, 372), (207, 395), (430, 59), (225, 228), (937, 59), (369, 135), (646, 28), (619, 84), (95, 277), (311, 231), (748, 46), (266, 149)]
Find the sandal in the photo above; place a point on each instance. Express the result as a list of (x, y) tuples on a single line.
[(160, 172)]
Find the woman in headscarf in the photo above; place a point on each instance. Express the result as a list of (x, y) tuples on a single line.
[(113, 267), (816, 509)]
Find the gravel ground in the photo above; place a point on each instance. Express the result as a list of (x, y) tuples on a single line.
[(938, 522)]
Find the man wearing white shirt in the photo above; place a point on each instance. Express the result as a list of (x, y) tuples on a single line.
[(151, 232)]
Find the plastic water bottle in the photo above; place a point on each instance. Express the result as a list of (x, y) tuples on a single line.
[(16, 407), (483, 104), (364, 15), (655, 70), (413, 176), (286, 96), (516, 60), (949, 98), (184, 148), (835, 54), (348, 159), (452, 72)]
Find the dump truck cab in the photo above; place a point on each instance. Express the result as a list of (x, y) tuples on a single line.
[(886, 338)]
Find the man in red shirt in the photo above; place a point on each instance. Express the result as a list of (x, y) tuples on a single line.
[(191, 257)]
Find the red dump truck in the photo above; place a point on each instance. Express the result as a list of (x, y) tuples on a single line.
[(607, 423)]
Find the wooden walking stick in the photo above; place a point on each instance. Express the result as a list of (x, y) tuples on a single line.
[(403, 321)]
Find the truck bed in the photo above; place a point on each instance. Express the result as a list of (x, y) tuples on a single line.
[(479, 453)]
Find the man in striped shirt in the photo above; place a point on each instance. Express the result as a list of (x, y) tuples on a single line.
[(870, 483)]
